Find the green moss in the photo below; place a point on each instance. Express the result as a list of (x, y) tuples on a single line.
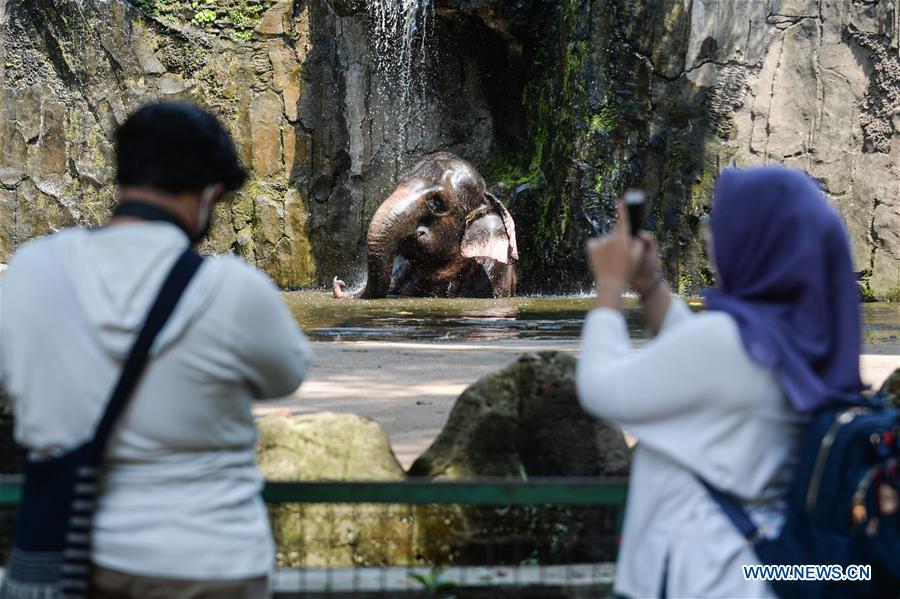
[(605, 119), (148, 6), (506, 169), (702, 191), (684, 282), (244, 16), (865, 292)]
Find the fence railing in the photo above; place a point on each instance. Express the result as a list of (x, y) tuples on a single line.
[(419, 536)]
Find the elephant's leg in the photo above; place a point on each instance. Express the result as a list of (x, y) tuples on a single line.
[(502, 277), (469, 281)]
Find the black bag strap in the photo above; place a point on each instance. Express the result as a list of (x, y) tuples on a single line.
[(733, 510), (169, 294)]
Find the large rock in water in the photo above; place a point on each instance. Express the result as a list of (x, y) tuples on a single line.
[(523, 421), (329, 446)]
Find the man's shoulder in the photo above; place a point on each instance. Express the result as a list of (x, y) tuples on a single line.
[(38, 249)]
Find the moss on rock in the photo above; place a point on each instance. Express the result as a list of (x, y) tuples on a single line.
[(328, 446), (520, 422)]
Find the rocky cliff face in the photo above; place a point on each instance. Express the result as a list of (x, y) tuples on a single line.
[(72, 71), (562, 105), (662, 94)]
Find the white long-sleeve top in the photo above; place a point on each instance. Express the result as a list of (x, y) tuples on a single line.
[(181, 489), (697, 404)]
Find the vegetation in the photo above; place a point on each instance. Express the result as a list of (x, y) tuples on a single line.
[(204, 15), (433, 585), (233, 18)]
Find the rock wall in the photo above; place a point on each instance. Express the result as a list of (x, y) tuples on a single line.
[(72, 71), (662, 94), (562, 105)]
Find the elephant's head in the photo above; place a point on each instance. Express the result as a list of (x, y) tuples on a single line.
[(438, 216)]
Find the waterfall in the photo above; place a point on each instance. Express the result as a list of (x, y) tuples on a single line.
[(399, 32)]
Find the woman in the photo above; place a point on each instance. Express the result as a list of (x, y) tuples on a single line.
[(721, 394)]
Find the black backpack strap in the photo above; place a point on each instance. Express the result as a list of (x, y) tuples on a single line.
[(733, 510), (170, 292)]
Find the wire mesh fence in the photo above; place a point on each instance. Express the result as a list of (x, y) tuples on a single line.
[(421, 538)]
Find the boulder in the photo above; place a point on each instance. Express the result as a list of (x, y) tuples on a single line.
[(521, 422), (328, 446), (891, 387)]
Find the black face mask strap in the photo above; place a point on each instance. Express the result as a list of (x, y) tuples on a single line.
[(147, 211)]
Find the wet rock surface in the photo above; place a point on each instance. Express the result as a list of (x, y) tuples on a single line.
[(522, 422), (562, 105)]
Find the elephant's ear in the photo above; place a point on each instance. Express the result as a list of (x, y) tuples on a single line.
[(490, 233)]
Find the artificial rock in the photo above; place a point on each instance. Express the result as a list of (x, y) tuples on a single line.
[(521, 422), (327, 446), (562, 105)]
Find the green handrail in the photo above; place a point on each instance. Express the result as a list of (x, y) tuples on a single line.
[(496, 492), (10, 492), (486, 491)]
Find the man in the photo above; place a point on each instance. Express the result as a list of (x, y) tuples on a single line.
[(180, 513)]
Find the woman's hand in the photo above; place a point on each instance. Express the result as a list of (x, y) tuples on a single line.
[(614, 260), (646, 272), (650, 284)]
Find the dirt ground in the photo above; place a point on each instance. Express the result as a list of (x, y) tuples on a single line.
[(409, 388)]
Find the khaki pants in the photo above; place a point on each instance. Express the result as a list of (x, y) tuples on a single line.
[(110, 584)]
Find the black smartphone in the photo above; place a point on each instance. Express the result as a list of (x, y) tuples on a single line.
[(635, 201)]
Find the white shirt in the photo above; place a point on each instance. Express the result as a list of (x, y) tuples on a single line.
[(181, 489), (697, 404)]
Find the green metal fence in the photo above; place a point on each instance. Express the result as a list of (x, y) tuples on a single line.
[(473, 538)]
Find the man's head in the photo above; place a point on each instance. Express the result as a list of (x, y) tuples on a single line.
[(178, 156)]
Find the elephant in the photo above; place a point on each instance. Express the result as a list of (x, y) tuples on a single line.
[(439, 234)]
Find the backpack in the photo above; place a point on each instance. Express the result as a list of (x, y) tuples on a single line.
[(842, 506)]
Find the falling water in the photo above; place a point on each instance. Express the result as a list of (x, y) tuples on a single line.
[(399, 34)]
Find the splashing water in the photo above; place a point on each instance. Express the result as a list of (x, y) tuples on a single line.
[(399, 33)]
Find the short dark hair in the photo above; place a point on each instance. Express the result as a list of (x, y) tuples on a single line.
[(176, 147)]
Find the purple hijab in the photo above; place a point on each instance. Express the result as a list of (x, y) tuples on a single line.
[(785, 275)]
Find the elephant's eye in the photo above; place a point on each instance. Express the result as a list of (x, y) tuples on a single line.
[(437, 205)]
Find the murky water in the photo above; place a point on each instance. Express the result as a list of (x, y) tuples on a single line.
[(431, 319)]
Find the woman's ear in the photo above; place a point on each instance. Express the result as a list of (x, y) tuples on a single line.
[(490, 233)]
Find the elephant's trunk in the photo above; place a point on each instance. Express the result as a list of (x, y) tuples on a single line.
[(392, 222)]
